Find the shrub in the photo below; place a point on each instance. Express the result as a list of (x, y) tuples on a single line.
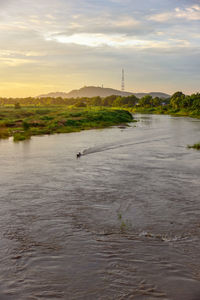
[(17, 105), (21, 136), (25, 125), (80, 104), (4, 133), (195, 146)]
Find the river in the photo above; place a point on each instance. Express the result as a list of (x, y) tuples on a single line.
[(121, 222)]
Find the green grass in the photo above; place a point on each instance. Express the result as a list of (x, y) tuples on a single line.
[(123, 226), (119, 216), (21, 136), (166, 111), (4, 133), (28, 121), (195, 146)]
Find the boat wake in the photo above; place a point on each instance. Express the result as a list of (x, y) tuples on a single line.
[(107, 147)]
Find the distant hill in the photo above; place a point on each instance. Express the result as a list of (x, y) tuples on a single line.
[(54, 95), (153, 94), (93, 91)]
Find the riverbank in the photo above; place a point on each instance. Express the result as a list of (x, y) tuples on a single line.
[(163, 110), (195, 146), (22, 123)]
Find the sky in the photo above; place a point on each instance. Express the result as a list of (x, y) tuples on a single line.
[(60, 45)]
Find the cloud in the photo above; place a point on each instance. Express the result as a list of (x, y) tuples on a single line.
[(13, 62), (65, 44), (116, 41), (161, 17), (191, 13), (98, 40)]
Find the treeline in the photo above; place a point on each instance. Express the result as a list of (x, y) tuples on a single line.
[(30, 101), (113, 100), (178, 101)]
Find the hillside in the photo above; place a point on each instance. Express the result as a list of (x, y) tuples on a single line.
[(92, 91)]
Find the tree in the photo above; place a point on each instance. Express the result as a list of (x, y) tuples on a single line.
[(80, 104), (130, 100), (157, 101), (108, 101), (117, 102), (146, 101), (95, 101), (195, 100), (25, 125), (17, 105), (177, 100)]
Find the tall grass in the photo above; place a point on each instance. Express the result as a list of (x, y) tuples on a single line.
[(195, 146), (27, 121), (4, 133)]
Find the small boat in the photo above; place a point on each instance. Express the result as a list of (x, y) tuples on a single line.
[(78, 155)]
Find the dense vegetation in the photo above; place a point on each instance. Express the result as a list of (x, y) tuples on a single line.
[(177, 104), (195, 146), (23, 122), (109, 101), (31, 116)]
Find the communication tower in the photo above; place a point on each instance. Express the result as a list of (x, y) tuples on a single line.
[(123, 81)]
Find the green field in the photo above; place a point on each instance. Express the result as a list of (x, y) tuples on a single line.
[(24, 122)]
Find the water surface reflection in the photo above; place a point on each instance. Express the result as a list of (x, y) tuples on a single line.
[(122, 222)]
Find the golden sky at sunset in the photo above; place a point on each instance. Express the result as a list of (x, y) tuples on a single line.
[(59, 45)]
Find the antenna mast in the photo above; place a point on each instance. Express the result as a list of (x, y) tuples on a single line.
[(123, 81)]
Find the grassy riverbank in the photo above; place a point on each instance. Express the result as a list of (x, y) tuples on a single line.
[(22, 123), (195, 146), (170, 111), (164, 110)]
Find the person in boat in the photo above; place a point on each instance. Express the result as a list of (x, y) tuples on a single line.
[(78, 155)]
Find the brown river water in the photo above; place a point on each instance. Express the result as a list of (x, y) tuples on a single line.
[(121, 222)]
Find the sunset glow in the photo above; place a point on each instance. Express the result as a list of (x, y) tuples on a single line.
[(59, 45)]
